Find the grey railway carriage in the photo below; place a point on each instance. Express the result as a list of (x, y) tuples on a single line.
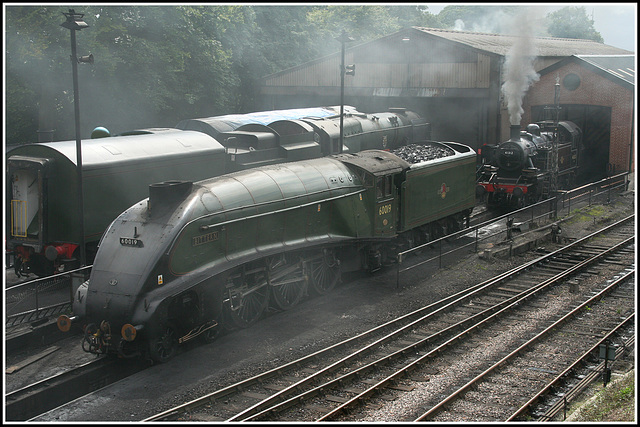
[(42, 210), (194, 257)]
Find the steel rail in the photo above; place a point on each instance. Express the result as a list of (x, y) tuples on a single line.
[(261, 407), (554, 409), (437, 306), (440, 406), (59, 389), (486, 315)]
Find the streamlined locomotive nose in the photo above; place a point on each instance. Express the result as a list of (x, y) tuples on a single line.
[(112, 296)]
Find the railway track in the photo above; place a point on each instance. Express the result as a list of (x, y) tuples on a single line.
[(549, 402), (41, 396), (483, 398), (56, 390), (397, 358)]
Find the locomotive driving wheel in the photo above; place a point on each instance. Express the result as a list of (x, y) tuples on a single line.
[(325, 271), (163, 346), (287, 280), (248, 296)]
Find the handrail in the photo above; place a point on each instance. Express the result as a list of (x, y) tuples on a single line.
[(552, 212)]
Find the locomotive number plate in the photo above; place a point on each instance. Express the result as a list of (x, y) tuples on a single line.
[(384, 209), (129, 241)]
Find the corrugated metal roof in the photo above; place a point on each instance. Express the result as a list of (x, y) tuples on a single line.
[(621, 66), (546, 46)]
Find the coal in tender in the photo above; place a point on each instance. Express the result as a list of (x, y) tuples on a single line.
[(418, 153)]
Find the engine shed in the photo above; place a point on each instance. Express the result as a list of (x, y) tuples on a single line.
[(597, 94), (452, 78)]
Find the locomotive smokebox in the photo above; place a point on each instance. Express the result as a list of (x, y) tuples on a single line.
[(515, 133), (166, 194)]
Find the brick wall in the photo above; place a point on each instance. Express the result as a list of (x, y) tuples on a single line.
[(594, 90)]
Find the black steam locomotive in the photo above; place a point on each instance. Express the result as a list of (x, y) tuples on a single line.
[(195, 257), (531, 165), (42, 208)]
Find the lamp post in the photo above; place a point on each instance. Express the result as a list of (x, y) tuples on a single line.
[(405, 44), (75, 23), (351, 71)]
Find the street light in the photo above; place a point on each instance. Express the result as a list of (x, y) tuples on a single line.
[(351, 71), (405, 48), (75, 23)]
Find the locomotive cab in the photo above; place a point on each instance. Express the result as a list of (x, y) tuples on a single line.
[(386, 205), (380, 171)]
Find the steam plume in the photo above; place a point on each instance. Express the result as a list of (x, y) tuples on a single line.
[(519, 71)]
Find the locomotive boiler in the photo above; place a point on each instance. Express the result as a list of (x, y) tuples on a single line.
[(196, 257), (42, 211), (531, 165)]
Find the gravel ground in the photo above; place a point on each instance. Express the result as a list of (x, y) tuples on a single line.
[(352, 307), (408, 406)]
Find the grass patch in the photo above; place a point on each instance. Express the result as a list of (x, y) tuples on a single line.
[(587, 214), (616, 402)]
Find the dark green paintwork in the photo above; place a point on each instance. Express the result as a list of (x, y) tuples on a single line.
[(267, 210), (438, 188), (117, 172)]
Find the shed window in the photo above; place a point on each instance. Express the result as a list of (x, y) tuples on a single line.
[(571, 81)]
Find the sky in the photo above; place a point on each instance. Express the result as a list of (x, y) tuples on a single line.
[(616, 22)]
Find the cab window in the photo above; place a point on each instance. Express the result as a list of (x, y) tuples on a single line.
[(365, 178), (383, 187)]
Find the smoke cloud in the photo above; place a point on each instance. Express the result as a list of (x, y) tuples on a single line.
[(518, 66)]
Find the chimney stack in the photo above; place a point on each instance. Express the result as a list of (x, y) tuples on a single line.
[(515, 132)]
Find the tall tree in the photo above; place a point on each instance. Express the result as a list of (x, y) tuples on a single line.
[(155, 65), (414, 16), (573, 22), (481, 19), (277, 38), (161, 64), (34, 52), (363, 23)]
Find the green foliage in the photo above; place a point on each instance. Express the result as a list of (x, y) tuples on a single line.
[(22, 101), (616, 402), (414, 16), (568, 22), (572, 22), (34, 49), (155, 65), (484, 19)]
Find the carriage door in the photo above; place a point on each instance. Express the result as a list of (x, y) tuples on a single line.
[(386, 206), (26, 200)]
